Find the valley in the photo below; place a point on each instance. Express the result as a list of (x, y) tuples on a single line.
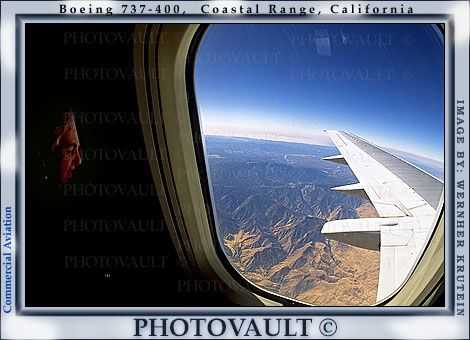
[(271, 201)]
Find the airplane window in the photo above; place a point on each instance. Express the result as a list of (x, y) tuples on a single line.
[(325, 152)]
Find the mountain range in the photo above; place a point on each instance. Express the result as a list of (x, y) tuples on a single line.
[(271, 201)]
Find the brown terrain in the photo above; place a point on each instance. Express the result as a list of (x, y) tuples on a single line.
[(327, 274), (272, 200)]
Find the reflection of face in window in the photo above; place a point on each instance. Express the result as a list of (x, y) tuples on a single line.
[(67, 148)]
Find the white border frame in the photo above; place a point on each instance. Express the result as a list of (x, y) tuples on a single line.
[(114, 326)]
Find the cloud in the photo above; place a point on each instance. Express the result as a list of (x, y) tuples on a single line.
[(270, 131)]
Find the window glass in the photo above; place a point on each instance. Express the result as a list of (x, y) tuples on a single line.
[(265, 95)]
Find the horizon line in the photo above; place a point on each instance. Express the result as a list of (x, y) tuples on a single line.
[(330, 145)]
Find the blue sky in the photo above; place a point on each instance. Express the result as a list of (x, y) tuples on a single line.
[(383, 82)]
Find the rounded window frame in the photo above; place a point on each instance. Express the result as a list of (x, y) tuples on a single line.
[(202, 164)]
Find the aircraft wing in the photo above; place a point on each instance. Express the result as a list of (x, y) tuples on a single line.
[(406, 199)]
